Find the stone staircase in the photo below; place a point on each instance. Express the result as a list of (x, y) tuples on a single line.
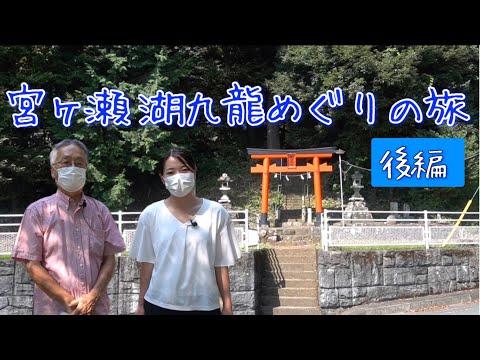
[(292, 207), (290, 281), (293, 201)]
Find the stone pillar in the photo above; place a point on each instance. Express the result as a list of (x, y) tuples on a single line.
[(394, 206)]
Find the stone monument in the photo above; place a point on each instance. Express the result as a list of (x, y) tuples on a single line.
[(357, 203), (406, 213)]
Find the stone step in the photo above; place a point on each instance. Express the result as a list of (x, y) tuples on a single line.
[(270, 300), (294, 223), (307, 231), (290, 275), (283, 243), (298, 249), (296, 230), (292, 259), (291, 252), (289, 310), (290, 283), (293, 204), (290, 291), (293, 197), (278, 263), (281, 267), (295, 207), (295, 238)]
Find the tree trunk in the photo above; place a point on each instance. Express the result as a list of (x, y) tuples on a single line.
[(273, 136)]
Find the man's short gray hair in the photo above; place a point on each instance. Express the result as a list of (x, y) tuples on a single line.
[(66, 142)]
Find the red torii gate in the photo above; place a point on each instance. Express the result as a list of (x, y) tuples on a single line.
[(291, 155)]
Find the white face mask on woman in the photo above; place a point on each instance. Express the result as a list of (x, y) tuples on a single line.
[(71, 178), (180, 184)]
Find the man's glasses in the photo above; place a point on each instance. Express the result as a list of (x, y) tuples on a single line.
[(79, 164)]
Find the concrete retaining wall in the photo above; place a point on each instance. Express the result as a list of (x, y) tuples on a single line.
[(349, 278), (16, 287)]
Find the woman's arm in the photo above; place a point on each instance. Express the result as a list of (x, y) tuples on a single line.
[(146, 270), (223, 283)]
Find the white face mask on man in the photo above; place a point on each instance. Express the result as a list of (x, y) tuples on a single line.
[(72, 178), (180, 184)]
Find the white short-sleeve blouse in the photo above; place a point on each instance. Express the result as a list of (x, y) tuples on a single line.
[(184, 256)]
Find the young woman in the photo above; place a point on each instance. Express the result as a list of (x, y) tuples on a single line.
[(184, 245)]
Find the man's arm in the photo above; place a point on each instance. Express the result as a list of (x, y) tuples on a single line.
[(223, 283), (85, 305), (49, 285), (146, 270)]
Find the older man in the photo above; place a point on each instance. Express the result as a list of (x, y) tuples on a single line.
[(69, 241)]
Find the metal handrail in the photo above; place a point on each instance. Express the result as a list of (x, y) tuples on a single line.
[(120, 222), (426, 223)]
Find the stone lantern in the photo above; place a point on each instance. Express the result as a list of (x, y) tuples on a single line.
[(357, 203), (224, 200), (356, 186)]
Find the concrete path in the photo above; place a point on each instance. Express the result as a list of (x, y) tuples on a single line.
[(442, 304)]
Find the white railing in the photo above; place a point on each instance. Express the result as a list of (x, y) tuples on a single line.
[(424, 228), (244, 236), (8, 232), (127, 223), (241, 233)]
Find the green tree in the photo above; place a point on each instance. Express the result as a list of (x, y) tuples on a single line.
[(391, 73), (123, 162)]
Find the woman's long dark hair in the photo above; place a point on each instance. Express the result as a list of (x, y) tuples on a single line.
[(182, 155)]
